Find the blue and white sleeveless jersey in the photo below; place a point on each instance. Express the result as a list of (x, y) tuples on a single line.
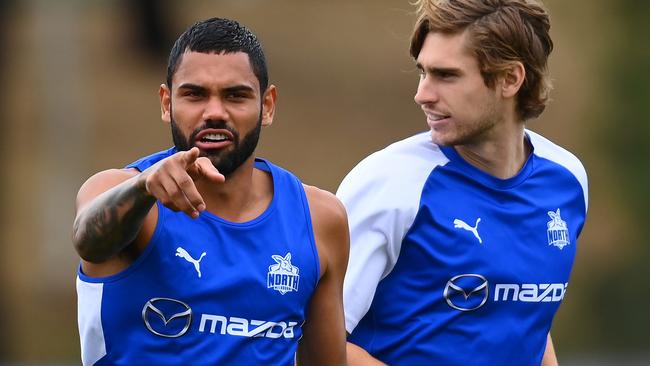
[(452, 266), (207, 291)]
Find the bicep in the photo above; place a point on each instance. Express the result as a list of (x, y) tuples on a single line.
[(94, 214), (100, 183), (104, 181)]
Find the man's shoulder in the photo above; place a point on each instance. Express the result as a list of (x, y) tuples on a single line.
[(418, 147), (329, 222), (561, 157), (547, 149), (325, 205), (402, 162)]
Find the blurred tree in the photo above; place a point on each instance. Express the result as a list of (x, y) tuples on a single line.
[(622, 301)]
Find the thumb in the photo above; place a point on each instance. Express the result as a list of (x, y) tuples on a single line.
[(207, 170)]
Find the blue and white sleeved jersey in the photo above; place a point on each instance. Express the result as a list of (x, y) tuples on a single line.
[(452, 266), (207, 291)]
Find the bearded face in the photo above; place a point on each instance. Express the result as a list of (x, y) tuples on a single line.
[(226, 159)]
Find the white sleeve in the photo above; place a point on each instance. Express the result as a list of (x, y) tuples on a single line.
[(381, 196), (546, 149)]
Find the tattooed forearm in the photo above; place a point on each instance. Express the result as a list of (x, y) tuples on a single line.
[(111, 221)]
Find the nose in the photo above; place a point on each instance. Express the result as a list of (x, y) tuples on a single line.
[(214, 109), (427, 92)]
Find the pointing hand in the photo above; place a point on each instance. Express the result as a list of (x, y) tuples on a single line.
[(172, 181)]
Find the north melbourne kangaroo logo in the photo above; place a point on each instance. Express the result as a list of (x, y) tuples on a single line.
[(557, 230), (283, 276), (180, 252), (460, 224)]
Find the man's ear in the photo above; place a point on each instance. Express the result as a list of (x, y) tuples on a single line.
[(268, 105), (165, 103), (512, 79)]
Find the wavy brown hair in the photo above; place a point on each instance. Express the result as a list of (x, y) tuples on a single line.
[(500, 32)]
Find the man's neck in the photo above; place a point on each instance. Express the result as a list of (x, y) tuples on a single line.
[(502, 153), (245, 194)]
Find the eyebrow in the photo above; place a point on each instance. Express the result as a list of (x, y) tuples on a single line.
[(439, 70), (190, 86), (239, 89), (232, 89)]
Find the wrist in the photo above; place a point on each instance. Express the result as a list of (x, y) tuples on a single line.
[(140, 184)]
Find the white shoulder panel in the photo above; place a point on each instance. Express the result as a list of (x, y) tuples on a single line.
[(548, 150), (382, 196), (91, 333)]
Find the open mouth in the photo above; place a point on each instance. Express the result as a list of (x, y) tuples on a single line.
[(437, 121), (437, 117), (434, 115), (213, 139)]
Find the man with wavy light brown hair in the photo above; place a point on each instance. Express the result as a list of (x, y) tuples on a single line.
[(463, 237)]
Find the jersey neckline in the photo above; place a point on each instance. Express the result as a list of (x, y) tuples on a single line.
[(266, 166), (486, 178)]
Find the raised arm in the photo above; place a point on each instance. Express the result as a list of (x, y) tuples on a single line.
[(114, 207), (323, 341), (111, 209)]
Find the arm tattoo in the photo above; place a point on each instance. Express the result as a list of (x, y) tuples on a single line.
[(111, 221)]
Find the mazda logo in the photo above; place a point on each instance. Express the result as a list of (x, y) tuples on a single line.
[(466, 292), (167, 317)]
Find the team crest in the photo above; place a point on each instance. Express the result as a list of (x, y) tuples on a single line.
[(557, 232), (283, 276)]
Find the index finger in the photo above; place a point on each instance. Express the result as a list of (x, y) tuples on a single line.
[(189, 157)]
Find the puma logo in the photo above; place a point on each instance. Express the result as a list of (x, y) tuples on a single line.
[(460, 224), (180, 252)]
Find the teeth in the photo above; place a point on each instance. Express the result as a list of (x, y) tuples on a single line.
[(437, 117), (215, 137)]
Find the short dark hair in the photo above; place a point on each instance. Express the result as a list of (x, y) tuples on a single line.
[(218, 35), (500, 32)]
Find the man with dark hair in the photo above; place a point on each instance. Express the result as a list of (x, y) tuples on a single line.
[(463, 237), (203, 254)]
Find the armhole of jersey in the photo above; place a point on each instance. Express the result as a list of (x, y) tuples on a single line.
[(307, 212), (137, 263), (89, 318)]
